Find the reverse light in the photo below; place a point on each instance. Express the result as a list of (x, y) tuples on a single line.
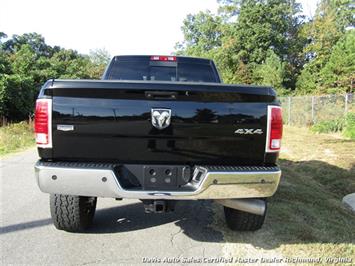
[(274, 129), (43, 122), (162, 58)]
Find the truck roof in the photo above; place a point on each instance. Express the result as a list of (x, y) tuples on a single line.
[(183, 59)]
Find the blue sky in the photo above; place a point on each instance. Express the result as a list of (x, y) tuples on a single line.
[(121, 27)]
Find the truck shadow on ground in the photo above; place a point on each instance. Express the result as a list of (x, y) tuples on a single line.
[(193, 217), (24, 226)]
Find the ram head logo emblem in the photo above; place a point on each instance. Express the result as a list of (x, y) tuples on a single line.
[(161, 117)]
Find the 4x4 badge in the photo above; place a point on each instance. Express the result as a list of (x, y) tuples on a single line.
[(249, 131), (161, 117)]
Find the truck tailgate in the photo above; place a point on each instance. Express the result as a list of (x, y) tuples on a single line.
[(111, 121)]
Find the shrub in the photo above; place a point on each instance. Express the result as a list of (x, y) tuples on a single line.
[(329, 126), (349, 128), (346, 125)]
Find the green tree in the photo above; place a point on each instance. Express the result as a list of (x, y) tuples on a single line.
[(271, 72), (35, 40), (26, 62), (229, 9), (265, 25), (18, 94), (239, 39), (5, 65), (323, 32), (17, 86), (23, 61), (338, 75), (202, 33), (71, 64)]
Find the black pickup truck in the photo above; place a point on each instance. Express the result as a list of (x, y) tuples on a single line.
[(159, 129)]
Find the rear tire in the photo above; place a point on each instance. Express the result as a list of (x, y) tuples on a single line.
[(72, 213), (243, 221)]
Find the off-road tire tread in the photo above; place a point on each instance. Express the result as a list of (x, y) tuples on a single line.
[(69, 212)]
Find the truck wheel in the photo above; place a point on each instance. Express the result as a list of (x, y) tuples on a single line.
[(243, 221), (72, 213)]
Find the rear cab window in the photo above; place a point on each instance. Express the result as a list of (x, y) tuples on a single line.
[(175, 69)]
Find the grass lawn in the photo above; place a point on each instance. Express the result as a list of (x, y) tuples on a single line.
[(305, 217), (16, 137)]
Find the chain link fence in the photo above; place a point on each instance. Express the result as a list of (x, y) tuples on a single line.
[(308, 110)]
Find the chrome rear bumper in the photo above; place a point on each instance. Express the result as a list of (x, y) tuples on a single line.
[(208, 182)]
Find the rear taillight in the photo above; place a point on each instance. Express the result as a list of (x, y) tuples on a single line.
[(162, 58), (43, 121), (274, 129)]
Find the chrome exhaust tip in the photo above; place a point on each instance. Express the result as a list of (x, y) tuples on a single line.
[(255, 206)]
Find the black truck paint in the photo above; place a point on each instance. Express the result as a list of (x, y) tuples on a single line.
[(109, 119)]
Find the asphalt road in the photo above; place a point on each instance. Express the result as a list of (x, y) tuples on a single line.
[(122, 233)]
